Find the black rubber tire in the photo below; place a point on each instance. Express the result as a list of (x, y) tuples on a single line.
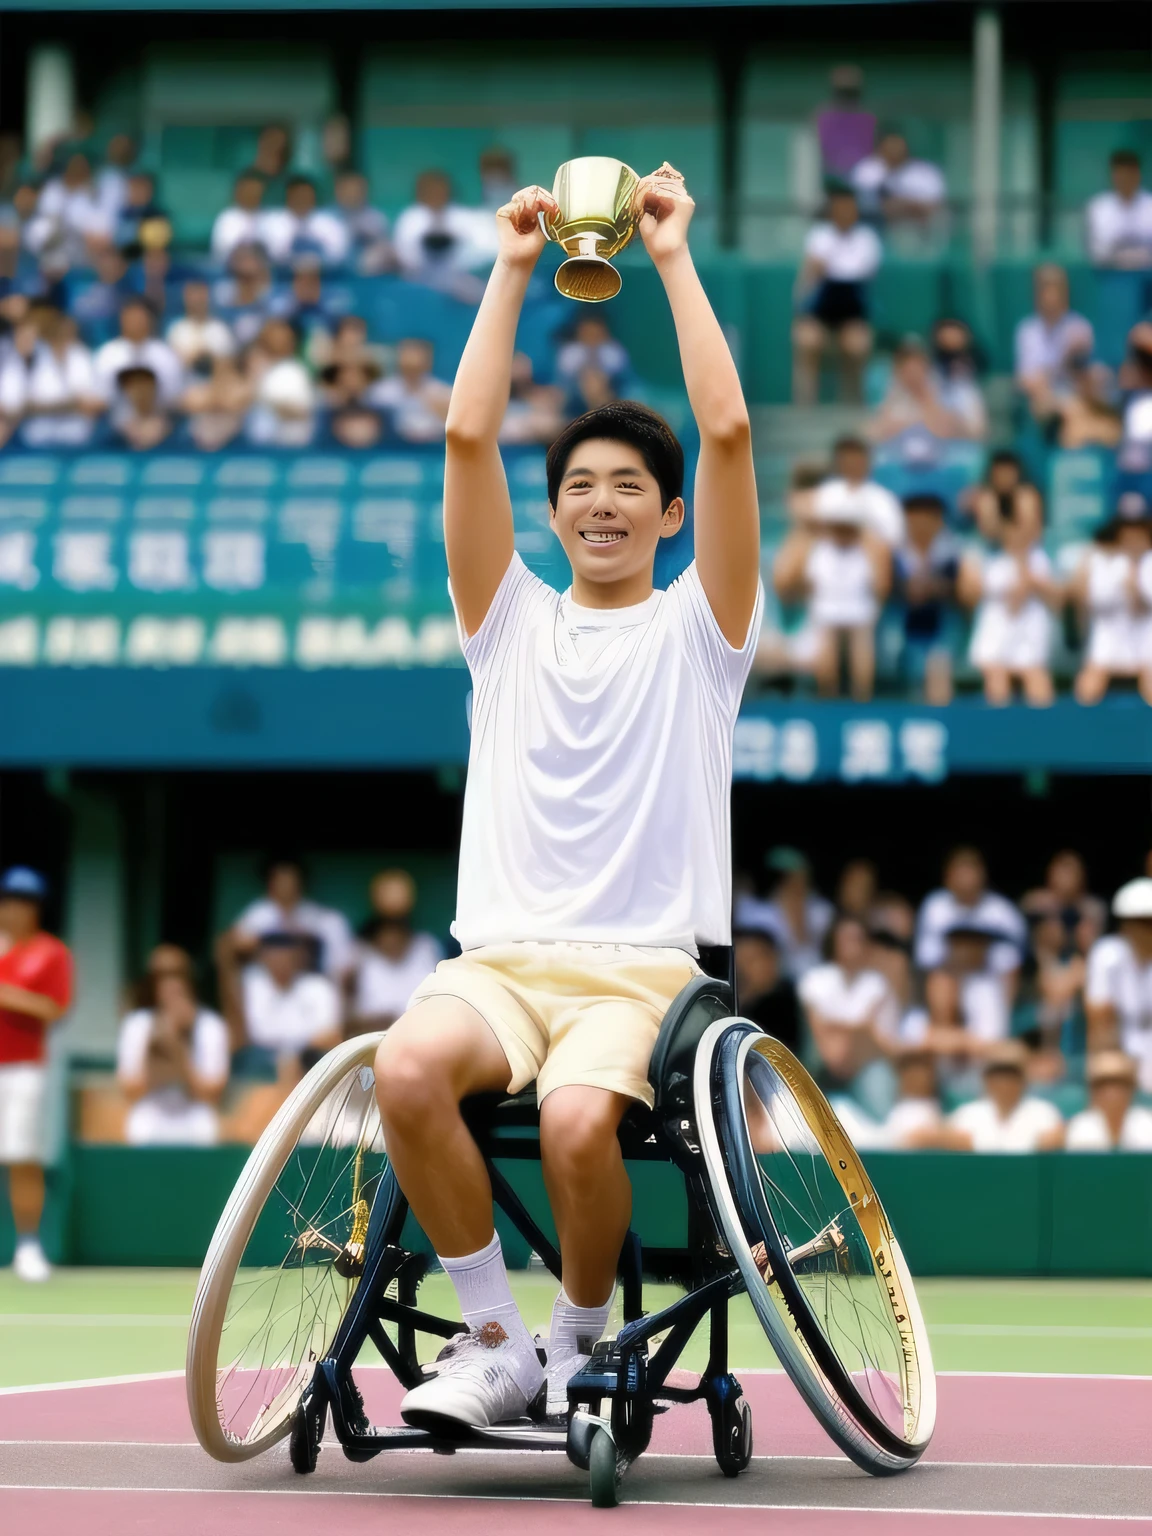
[(304, 1437), (732, 1438), (603, 1477)]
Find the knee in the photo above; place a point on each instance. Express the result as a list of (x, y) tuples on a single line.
[(410, 1084), (807, 335), (578, 1130)]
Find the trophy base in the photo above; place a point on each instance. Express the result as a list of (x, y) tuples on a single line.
[(589, 278)]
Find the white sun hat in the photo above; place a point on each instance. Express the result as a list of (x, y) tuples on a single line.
[(1133, 899)]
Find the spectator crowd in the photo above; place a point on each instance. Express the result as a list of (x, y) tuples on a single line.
[(111, 337)]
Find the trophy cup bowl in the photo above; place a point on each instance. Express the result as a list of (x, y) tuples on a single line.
[(596, 221)]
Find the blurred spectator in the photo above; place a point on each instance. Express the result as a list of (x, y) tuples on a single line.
[(1013, 593), (278, 1005), (286, 908), (52, 390), (199, 336), (243, 222), (136, 348), (764, 994), (964, 897), (844, 573), (365, 228), (416, 402), (283, 413), (96, 308), (273, 152), (852, 1017), (794, 912), (1065, 896), (172, 1064), (1055, 984), (313, 309), (894, 188), (856, 890), (1005, 1119), (301, 229), (1113, 590), (217, 405), (916, 1117), (113, 177), (35, 991), (357, 425), (1111, 1121), (954, 374), (17, 221), (71, 222), (433, 238), (1005, 498), (967, 1003), (1120, 221), (841, 257), (394, 959), (852, 482), (348, 343), (349, 382), (1118, 991), (243, 298), (915, 402), (1048, 339), (535, 411), (592, 349), (1087, 415), (845, 129), (138, 209), (138, 418), (925, 569), (499, 182)]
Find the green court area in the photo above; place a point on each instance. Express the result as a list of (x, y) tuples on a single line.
[(89, 1323)]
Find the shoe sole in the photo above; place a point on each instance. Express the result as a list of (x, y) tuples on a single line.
[(442, 1424)]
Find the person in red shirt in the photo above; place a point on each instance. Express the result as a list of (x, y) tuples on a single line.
[(35, 991)]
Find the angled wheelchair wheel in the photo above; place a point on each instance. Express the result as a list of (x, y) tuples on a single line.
[(287, 1256), (824, 1272)]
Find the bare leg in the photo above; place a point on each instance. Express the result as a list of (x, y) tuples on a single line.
[(1037, 685), (26, 1193), (997, 685), (808, 338), (431, 1058), (938, 678), (855, 342), (826, 666), (1091, 684), (862, 662), (587, 1186)]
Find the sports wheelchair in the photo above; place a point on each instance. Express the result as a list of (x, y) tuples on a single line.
[(308, 1264)]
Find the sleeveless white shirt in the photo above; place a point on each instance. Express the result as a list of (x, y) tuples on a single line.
[(599, 775)]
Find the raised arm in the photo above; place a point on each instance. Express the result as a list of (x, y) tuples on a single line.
[(477, 508), (727, 510)]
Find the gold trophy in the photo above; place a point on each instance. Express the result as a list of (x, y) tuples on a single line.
[(596, 220)]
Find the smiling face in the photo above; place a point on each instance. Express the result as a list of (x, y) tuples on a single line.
[(609, 513)]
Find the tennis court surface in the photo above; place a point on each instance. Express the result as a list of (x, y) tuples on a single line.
[(1015, 1449)]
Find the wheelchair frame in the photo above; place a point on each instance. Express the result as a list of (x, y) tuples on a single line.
[(622, 1371)]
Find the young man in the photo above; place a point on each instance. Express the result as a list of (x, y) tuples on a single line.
[(594, 855), (35, 990)]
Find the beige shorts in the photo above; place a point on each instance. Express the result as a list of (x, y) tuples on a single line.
[(568, 1014)]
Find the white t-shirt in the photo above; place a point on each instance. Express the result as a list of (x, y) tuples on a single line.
[(849, 1000), (908, 1116), (846, 256), (1088, 1132), (288, 1021), (942, 911), (1020, 1132), (285, 234), (1043, 349), (168, 1115), (841, 583), (1004, 635), (325, 924), (597, 802), (914, 181), (191, 339), (120, 353), (1116, 976), (453, 230), (384, 986), (236, 226), (1115, 226), (875, 506)]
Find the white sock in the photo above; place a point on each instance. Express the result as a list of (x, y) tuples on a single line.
[(29, 1240), (575, 1329), (485, 1297)]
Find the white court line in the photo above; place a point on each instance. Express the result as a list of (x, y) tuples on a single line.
[(530, 1498), (90, 1381)]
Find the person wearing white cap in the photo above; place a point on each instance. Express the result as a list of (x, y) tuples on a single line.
[(1111, 1120), (845, 571), (1118, 989), (1013, 592)]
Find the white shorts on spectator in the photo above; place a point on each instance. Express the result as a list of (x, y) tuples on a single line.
[(1017, 638), (23, 1089)]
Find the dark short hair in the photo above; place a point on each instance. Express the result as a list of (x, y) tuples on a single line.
[(1124, 157), (250, 174), (850, 443), (138, 301), (925, 501), (624, 421), (1005, 456), (301, 181), (283, 859)]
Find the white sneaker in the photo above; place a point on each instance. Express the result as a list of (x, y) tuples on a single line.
[(560, 1372), (29, 1263), (474, 1385)]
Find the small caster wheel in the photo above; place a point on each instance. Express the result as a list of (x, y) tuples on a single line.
[(732, 1437), (603, 1474), (306, 1434)]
